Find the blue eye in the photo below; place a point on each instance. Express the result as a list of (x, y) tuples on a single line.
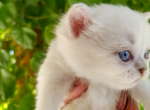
[(146, 55), (124, 55)]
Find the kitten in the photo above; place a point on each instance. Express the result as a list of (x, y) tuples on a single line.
[(104, 44)]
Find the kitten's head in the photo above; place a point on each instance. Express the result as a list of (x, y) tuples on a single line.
[(105, 43)]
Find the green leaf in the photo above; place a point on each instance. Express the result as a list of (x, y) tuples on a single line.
[(7, 84), (7, 13), (2, 25), (24, 37), (2, 16), (32, 10), (27, 103), (4, 57), (19, 72), (141, 107), (5, 1), (123, 2), (36, 60), (88, 2), (32, 2), (11, 10), (51, 4), (1, 5), (48, 33), (12, 106), (54, 5), (0, 44)]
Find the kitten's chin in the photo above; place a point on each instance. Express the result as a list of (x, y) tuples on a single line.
[(120, 86)]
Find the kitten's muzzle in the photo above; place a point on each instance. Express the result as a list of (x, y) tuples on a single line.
[(141, 66)]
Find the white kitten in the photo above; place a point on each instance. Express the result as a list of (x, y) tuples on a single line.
[(105, 44)]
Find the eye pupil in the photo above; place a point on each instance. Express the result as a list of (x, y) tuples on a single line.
[(124, 55)]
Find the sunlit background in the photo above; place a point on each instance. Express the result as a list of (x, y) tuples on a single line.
[(26, 28)]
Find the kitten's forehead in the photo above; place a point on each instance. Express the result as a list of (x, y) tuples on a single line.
[(121, 25)]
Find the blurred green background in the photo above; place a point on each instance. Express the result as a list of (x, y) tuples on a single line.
[(26, 28)]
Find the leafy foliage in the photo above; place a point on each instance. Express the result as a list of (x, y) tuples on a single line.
[(26, 29), (26, 39), (4, 58)]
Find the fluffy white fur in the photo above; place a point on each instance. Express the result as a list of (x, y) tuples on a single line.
[(93, 55)]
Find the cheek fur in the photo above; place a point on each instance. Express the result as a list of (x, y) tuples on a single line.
[(131, 76)]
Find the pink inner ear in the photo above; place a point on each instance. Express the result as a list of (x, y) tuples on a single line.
[(79, 22)]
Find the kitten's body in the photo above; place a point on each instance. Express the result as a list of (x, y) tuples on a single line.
[(88, 50)]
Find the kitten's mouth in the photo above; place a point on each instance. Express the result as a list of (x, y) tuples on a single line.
[(136, 80), (131, 84)]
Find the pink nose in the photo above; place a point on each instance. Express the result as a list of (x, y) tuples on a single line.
[(142, 71)]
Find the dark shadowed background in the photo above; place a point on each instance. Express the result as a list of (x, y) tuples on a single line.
[(25, 32)]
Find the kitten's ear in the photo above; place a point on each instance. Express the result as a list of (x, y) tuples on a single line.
[(79, 18), (146, 15)]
